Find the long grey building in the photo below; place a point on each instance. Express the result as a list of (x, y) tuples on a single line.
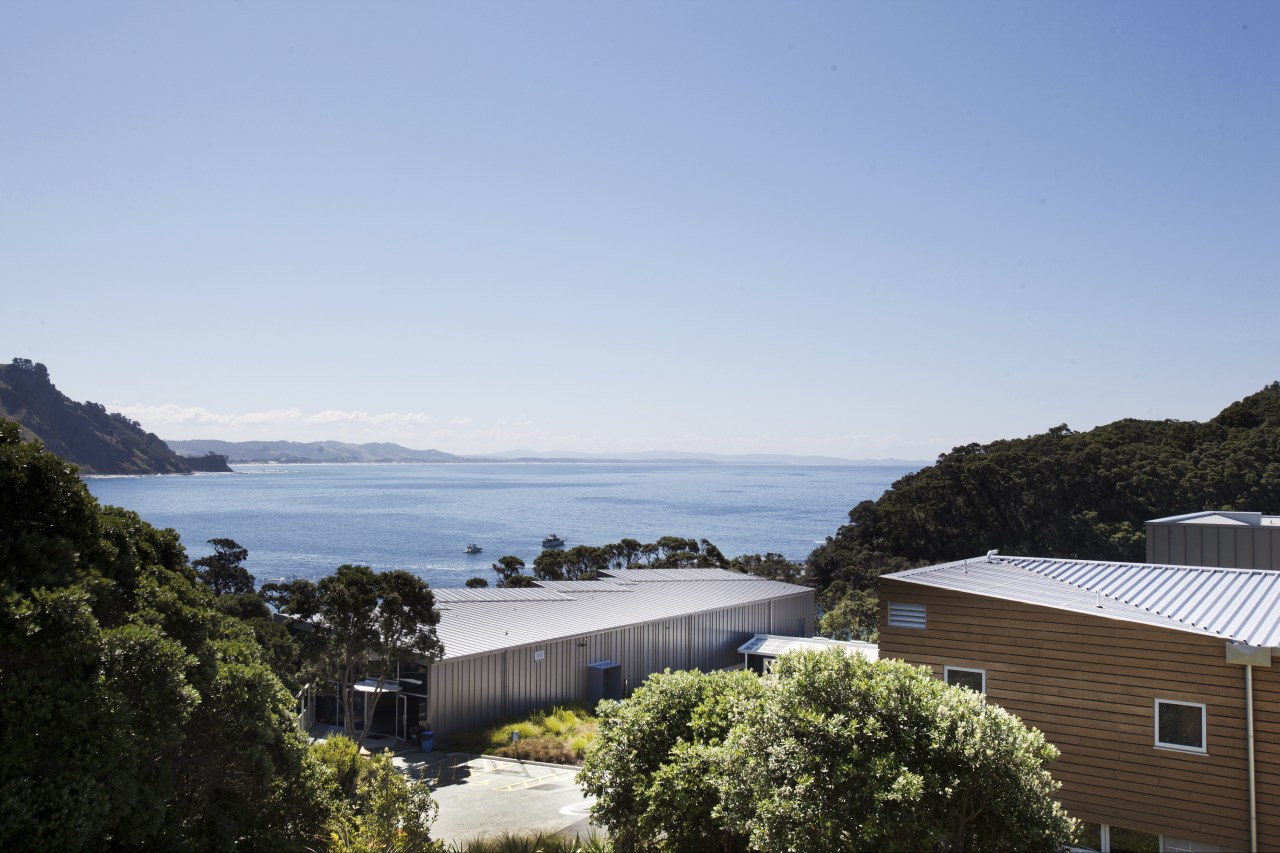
[(510, 651), (1216, 538)]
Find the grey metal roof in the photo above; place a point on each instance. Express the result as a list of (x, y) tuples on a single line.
[(1233, 604), (655, 575), (584, 586), (496, 593), (471, 626), (775, 644), (1225, 518)]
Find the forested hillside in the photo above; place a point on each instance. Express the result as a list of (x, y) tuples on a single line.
[(98, 441), (143, 700), (1062, 493)]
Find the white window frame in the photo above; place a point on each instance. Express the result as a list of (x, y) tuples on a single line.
[(1203, 749), (946, 672), (1105, 842)]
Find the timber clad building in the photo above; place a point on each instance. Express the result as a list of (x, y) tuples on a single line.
[(1148, 679), (510, 651)]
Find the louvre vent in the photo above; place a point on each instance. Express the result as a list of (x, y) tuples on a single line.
[(902, 615)]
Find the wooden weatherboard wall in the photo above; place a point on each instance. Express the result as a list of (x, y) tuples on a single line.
[(1090, 684)]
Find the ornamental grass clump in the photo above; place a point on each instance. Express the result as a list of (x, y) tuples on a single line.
[(533, 842), (557, 735)]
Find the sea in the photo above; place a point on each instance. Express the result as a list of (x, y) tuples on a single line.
[(303, 521)]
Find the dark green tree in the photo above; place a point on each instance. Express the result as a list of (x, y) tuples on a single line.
[(848, 614), (550, 565), (773, 566), (366, 622), (133, 713), (508, 568), (581, 562), (223, 571)]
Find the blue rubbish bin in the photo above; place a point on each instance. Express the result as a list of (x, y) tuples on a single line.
[(426, 741)]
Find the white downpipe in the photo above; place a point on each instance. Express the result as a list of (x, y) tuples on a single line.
[(1243, 654), (1253, 782)]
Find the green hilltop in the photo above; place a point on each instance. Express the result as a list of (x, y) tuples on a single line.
[(86, 434), (1063, 493)]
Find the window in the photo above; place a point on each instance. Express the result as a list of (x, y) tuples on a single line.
[(1186, 845), (1090, 836), (974, 679), (1118, 839), (1180, 725), (902, 615)]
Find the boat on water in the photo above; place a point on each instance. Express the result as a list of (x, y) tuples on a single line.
[(473, 548), (553, 541)]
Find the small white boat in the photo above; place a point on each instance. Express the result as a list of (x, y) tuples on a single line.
[(553, 541), (473, 548)]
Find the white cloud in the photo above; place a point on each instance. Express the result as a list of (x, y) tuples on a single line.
[(155, 417), (337, 416), (185, 422)]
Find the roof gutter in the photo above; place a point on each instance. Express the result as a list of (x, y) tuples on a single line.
[(1240, 654)]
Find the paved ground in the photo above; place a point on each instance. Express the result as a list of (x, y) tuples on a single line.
[(490, 796)]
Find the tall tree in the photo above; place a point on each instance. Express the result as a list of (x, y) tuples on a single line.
[(366, 623), (223, 571), (508, 568), (132, 712), (771, 565)]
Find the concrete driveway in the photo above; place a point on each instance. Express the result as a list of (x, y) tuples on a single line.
[(480, 795)]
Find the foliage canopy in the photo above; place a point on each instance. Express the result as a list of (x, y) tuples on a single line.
[(829, 752), (1062, 493), (134, 712), (138, 709)]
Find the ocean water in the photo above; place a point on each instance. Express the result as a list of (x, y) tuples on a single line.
[(303, 521)]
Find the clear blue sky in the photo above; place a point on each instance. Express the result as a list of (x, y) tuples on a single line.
[(857, 229)]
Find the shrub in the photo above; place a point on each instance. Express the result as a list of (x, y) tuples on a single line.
[(829, 752), (559, 735), (534, 842)]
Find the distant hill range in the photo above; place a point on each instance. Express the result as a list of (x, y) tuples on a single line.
[(98, 441), (294, 452), (685, 456)]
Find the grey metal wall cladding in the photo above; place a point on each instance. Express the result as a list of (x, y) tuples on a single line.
[(483, 689), (1226, 546)]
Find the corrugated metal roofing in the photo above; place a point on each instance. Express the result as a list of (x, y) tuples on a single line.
[(773, 644), (656, 575), (1242, 605), (473, 626), (583, 586), (492, 593)]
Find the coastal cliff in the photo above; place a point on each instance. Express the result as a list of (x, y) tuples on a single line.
[(86, 434)]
